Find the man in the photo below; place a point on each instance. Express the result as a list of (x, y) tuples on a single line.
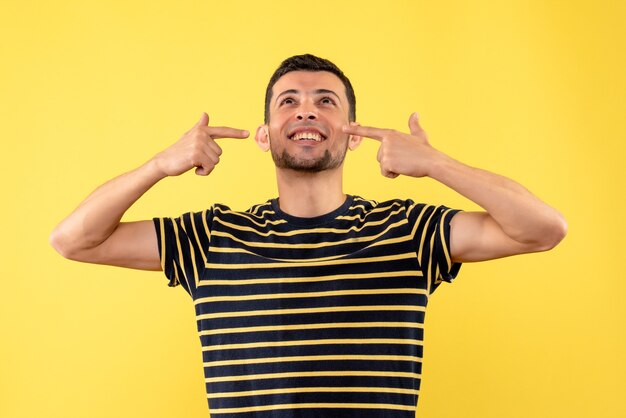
[(311, 304)]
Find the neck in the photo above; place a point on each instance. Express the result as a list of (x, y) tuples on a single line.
[(307, 195)]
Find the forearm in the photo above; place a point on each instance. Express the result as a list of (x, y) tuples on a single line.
[(521, 215), (515, 222), (95, 219)]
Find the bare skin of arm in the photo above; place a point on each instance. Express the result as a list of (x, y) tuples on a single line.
[(514, 222), (93, 232)]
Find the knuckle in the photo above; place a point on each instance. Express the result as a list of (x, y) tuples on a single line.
[(201, 132), (196, 137)]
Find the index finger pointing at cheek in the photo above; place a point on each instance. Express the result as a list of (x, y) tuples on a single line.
[(365, 131), (226, 132)]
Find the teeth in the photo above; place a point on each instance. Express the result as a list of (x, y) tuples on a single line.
[(307, 136)]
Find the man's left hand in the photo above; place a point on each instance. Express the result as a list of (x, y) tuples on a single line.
[(399, 152)]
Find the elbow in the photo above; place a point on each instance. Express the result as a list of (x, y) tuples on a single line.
[(61, 244), (553, 234), (72, 246)]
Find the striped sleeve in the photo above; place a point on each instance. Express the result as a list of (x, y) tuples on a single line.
[(431, 235), (183, 246)]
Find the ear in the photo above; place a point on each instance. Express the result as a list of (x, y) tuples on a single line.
[(354, 140), (262, 137)]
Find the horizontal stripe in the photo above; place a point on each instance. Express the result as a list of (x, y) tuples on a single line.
[(374, 389), (375, 210), (267, 209), (362, 206), (358, 308), (250, 217), (351, 292), (325, 244), (295, 232), (364, 373), (346, 357), (309, 279), (342, 341), (313, 405), (342, 261), (367, 325), (232, 250)]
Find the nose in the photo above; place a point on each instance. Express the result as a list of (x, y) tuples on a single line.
[(304, 114)]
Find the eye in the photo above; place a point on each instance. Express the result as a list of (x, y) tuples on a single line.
[(327, 100), (287, 100)]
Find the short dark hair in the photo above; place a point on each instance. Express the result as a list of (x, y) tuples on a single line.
[(308, 62)]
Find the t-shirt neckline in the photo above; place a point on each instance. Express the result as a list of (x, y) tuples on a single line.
[(316, 220)]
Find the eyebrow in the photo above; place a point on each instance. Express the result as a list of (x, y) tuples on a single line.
[(318, 91)]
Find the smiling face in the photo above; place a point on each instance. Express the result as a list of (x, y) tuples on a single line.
[(307, 112)]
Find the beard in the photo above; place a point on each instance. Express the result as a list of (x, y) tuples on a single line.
[(308, 165)]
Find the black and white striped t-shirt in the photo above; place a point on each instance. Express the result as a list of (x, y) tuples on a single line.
[(310, 317)]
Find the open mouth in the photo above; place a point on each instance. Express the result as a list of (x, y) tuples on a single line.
[(307, 135)]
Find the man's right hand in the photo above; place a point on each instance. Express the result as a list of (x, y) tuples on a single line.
[(93, 233), (196, 148)]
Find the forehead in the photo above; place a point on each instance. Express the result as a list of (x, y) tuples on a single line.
[(306, 81)]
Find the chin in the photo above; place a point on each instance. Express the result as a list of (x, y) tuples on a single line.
[(325, 162)]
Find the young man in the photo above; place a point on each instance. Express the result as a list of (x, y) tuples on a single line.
[(311, 304)]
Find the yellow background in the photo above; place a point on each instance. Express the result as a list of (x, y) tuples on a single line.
[(530, 90)]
